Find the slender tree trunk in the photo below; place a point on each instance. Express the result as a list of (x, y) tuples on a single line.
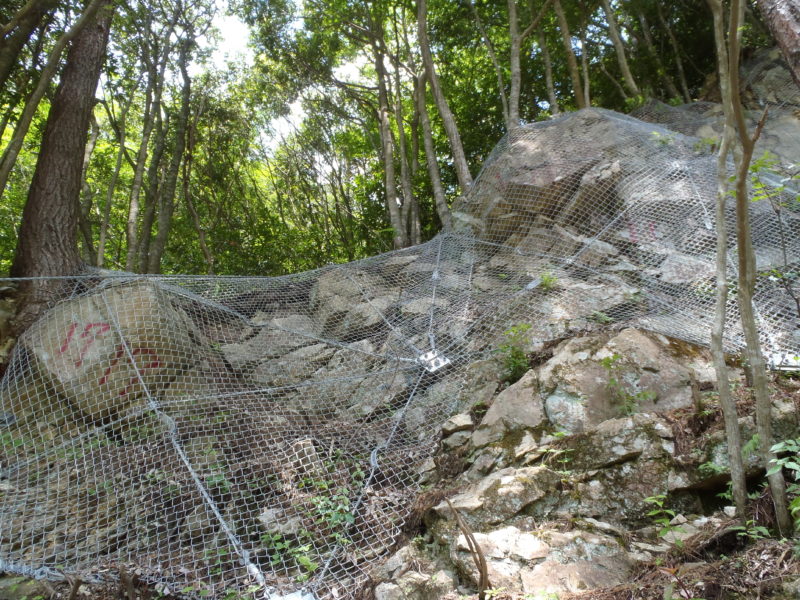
[(572, 62), (515, 42), (746, 265), (487, 41), (783, 20), (548, 75), (48, 235), (619, 47), (459, 158), (747, 278), (87, 194), (672, 90), (198, 224), (171, 179), (25, 88), (585, 69), (729, 412), (112, 184), (132, 230), (409, 206), (400, 238), (154, 183), (430, 158), (11, 152), (687, 97)]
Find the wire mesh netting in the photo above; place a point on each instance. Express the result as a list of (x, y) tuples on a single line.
[(232, 437)]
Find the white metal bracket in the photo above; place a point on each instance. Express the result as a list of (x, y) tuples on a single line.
[(433, 361)]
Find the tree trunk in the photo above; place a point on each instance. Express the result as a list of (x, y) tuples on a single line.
[(171, 180), (47, 243), (585, 69), (487, 41), (87, 194), (112, 184), (409, 206), (456, 147), (430, 158), (20, 131), (672, 90), (619, 47), (746, 264), (572, 62), (729, 412), (783, 19), (515, 41), (548, 75), (687, 97), (400, 239), (154, 183)]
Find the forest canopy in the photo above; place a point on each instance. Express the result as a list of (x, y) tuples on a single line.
[(347, 133)]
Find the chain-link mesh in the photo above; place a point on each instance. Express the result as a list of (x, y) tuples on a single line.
[(224, 437)]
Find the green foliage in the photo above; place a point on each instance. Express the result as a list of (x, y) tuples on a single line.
[(627, 402), (751, 531), (512, 350), (710, 468), (548, 281), (662, 139), (789, 462), (291, 552), (600, 317), (662, 516), (706, 145)]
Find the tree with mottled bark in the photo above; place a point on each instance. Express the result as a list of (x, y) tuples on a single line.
[(449, 122), (619, 47), (47, 244), (572, 61)]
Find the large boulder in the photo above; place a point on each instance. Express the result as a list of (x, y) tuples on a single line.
[(109, 349)]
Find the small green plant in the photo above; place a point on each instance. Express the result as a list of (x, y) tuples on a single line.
[(515, 359), (283, 550), (493, 592), (662, 139), (663, 516), (751, 531), (600, 317), (559, 459), (627, 402), (750, 447), (706, 145), (334, 511), (548, 281), (710, 469)]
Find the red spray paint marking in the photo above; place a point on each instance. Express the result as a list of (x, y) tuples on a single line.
[(632, 231), (117, 355), (90, 333), (102, 327), (68, 339)]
